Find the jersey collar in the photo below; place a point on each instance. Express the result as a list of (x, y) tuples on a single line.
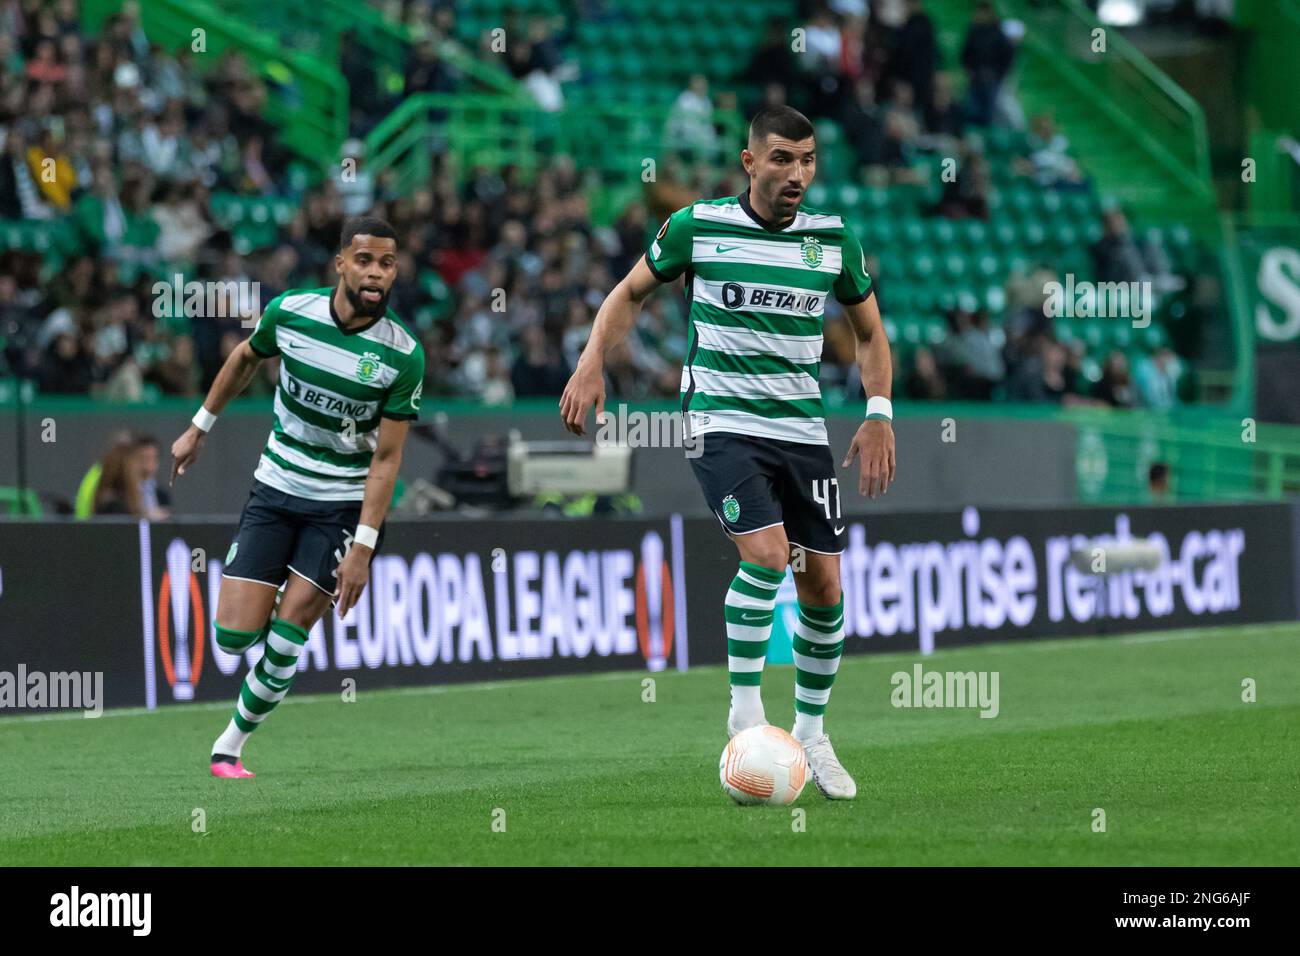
[(767, 224), (343, 328)]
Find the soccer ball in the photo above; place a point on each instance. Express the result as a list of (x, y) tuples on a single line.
[(763, 764)]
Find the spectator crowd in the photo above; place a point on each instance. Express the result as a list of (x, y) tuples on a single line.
[(499, 274)]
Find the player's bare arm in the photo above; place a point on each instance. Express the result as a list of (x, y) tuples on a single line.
[(613, 322), (354, 570), (235, 374), (874, 442)]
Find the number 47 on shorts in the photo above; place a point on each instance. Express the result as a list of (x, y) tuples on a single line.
[(821, 492)]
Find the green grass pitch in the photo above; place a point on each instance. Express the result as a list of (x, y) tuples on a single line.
[(1151, 728)]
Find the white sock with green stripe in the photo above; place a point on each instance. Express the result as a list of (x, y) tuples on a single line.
[(264, 686), (751, 600), (818, 644)]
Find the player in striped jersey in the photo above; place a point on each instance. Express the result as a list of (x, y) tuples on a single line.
[(758, 269), (350, 380)]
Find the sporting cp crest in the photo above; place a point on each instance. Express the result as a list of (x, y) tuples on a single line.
[(368, 367), (731, 509), (812, 252)]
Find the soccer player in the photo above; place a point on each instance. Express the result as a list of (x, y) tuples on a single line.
[(351, 375), (758, 271)]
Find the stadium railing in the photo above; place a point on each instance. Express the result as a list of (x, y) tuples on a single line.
[(307, 100), (387, 44), (495, 130), (1116, 94)]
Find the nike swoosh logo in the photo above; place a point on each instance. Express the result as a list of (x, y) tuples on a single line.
[(751, 617), (724, 248), (839, 529)]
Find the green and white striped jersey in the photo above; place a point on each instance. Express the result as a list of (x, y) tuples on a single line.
[(757, 296), (335, 386)]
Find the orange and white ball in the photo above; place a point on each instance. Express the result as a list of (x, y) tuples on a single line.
[(763, 764)]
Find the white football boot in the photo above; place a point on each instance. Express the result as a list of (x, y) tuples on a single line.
[(732, 729), (827, 772)]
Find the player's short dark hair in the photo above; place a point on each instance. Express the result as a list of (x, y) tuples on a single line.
[(1159, 471), (365, 226), (784, 121)]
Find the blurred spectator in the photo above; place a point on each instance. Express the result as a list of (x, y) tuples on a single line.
[(1158, 481), (915, 56), (966, 196), (943, 120), (772, 63), (1157, 377), (1044, 375), (427, 72), (539, 370), (128, 481), (154, 499), (975, 354), (862, 122), (986, 56), (1115, 388), (1115, 255), (65, 367), (925, 382), (1049, 161), (902, 130), (356, 185), (690, 122)]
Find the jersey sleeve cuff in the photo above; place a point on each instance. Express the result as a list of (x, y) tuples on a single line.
[(400, 416), (656, 272), (260, 352), (857, 298)]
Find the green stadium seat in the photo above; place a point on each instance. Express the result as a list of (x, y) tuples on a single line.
[(913, 232), (1033, 235), (975, 234), (943, 233), (848, 196), (1121, 333), (883, 233), (923, 266), (877, 200), (1004, 234)]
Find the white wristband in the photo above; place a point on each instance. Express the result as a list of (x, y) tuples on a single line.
[(366, 535), (204, 420), (879, 407)]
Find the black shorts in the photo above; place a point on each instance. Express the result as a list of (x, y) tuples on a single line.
[(281, 533), (756, 483)]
